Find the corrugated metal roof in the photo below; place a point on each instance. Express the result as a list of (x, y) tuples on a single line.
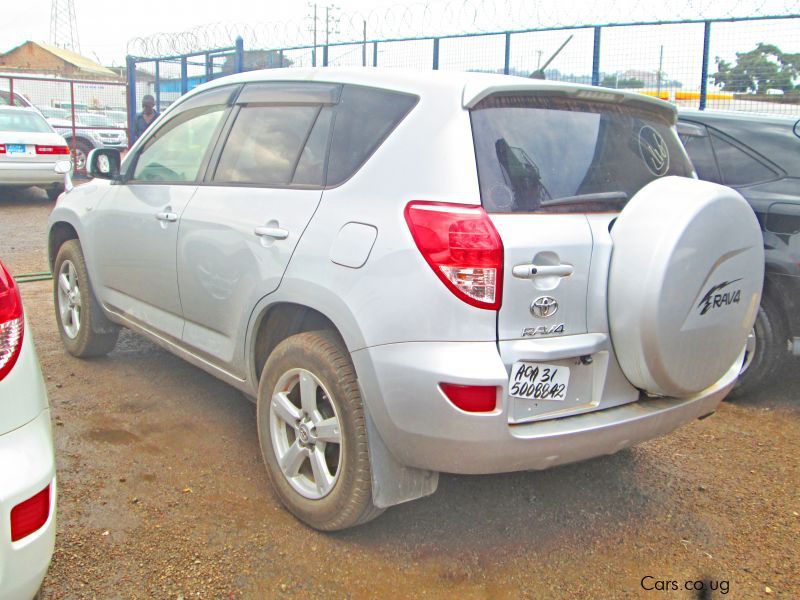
[(81, 62)]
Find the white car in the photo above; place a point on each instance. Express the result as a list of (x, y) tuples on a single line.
[(27, 462), (31, 152)]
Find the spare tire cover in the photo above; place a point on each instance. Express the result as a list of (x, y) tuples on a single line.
[(684, 284)]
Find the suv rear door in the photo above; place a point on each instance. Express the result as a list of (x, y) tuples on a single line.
[(554, 172)]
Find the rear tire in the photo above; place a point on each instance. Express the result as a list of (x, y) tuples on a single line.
[(308, 388), (770, 351), (84, 329)]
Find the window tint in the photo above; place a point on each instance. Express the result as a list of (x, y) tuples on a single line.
[(176, 150), (264, 144), (364, 117), (702, 156), (533, 149), (737, 166), (311, 168)]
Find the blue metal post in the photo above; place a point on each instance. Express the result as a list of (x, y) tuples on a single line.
[(157, 86), (209, 67), (184, 76), (374, 54), (435, 54), (130, 71), (238, 59), (325, 55), (596, 57), (507, 63), (280, 64), (704, 76)]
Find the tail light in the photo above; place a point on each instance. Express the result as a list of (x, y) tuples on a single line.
[(463, 248), (2, 148), (52, 150), (471, 398), (28, 517), (11, 322)]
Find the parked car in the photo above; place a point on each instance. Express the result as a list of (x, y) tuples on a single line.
[(759, 156), (31, 152), (86, 139), (413, 272), (27, 463), (18, 99), (48, 112)]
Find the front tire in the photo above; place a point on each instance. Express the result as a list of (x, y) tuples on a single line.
[(766, 350), (84, 329), (313, 434)]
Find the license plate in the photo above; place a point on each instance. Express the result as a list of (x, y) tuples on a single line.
[(15, 148), (535, 381)]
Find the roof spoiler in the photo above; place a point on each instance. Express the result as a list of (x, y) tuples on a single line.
[(475, 91)]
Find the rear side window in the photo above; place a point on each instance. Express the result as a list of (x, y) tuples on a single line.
[(737, 166), (534, 151), (698, 145), (264, 144), (364, 118)]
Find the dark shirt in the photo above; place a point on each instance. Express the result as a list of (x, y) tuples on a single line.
[(139, 125)]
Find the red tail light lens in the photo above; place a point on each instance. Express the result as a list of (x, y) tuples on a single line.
[(471, 398), (11, 322), (29, 516), (52, 150), (2, 148), (462, 247)]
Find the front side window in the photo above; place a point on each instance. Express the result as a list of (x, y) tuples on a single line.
[(264, 144), (175, 152), (551, 154)]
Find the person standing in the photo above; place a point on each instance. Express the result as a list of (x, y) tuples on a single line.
[(144, 118)]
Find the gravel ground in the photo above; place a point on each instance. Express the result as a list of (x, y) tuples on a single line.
[(162, 494)]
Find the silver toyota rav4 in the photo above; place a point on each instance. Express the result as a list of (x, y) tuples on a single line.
[(417, 272)]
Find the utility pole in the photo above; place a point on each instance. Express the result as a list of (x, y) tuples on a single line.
[(364, 46), (658, 75)]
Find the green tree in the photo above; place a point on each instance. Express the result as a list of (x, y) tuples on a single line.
[(758, 70)]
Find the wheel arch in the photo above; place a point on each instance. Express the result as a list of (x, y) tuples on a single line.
[(280, 320), (60, 232)]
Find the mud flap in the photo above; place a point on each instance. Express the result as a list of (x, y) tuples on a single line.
[(392, 482)]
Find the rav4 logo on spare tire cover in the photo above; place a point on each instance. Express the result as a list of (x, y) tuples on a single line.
[(653, 150), (713, 299)]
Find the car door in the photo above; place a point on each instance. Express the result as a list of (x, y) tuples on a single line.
[(239, 230), (136, 227)]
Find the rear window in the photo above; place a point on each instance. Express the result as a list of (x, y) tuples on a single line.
[(549, 154), (13, 120)]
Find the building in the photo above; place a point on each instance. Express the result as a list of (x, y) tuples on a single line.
[(43, 59)]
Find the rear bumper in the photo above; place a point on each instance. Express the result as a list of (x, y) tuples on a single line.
[(16, 173), (423, 429), (27, 466)]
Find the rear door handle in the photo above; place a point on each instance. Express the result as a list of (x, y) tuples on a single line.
[(277, 233), (169, 217), (531, 271)]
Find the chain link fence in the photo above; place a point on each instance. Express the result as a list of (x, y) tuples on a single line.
[(88, 113)]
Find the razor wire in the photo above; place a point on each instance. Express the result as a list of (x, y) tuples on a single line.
[(449, 17)]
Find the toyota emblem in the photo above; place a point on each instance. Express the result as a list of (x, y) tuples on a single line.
[(544, 306)]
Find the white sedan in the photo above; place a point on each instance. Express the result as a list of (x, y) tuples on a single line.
[(31, 152), (27, 462)]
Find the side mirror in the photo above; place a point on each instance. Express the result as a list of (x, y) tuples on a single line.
[(104, 163)]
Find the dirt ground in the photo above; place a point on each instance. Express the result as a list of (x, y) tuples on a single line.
[(162, 494)]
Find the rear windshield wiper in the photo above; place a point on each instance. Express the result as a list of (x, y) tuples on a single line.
[(581, 198)]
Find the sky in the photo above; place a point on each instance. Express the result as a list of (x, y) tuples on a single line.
[(105, 32)]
